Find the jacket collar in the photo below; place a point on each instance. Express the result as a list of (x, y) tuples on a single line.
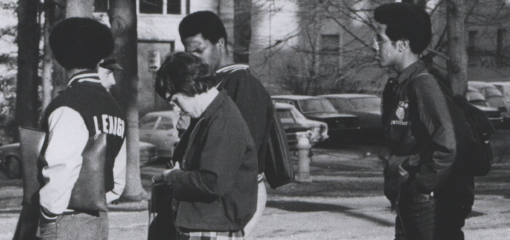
[(85, 76), (232, 68), (410, 70), (215, 104)]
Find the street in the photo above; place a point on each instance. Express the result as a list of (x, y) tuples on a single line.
[(344, 201)]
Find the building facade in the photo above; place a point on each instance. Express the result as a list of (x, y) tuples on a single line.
[(314, 47)]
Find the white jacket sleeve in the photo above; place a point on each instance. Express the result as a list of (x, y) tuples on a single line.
[(67, 137), (119, 175)]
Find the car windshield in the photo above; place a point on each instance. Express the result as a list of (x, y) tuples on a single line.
[(165, 124), (316, 105), (148, 122), (286, 116), (476, 98), (341, 104), (492, 92), (366, 104)]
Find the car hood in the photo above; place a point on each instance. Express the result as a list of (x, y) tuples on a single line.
[(328, 115), (486, 109), (9, 146), (146, 144), (296, 127)]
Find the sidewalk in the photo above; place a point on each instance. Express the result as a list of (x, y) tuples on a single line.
[(344, 201)]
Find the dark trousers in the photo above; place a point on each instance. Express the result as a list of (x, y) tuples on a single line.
[(450, 218), (416, 214), (421, 217)]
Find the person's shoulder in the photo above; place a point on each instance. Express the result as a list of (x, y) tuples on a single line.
[(423, 77), (425, 83)]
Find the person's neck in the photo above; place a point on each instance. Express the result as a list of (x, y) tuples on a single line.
[(205, 99), (225, 61), (407, 60)]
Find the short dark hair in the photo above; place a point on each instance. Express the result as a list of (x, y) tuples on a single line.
[(406, 21), (80, 43), (184, 73), (205, 22)]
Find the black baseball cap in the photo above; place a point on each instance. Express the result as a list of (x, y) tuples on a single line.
[(110, 63)]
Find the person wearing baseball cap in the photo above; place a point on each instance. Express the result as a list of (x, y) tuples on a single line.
[(105, 70)]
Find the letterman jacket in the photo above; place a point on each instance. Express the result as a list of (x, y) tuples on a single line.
[(82, 110)]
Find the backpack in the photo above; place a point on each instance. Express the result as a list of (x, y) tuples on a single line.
[(279, 169), (482, 129), (480, 156)]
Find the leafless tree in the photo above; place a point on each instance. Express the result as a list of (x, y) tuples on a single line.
[(28, 56), (122, 14), (447, 51), (242, 30)]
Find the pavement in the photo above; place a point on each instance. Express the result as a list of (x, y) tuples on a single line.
[(343, 201)]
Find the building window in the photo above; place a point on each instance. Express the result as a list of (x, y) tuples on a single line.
[(101, 5), (173, 7), (160, 6), (471, 47), (330, 53), (151, 6)]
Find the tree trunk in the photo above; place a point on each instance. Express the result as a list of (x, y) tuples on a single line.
[(457, 64), (28, 56), (47, 67), (122, 15), (54, 11), (242, 30)]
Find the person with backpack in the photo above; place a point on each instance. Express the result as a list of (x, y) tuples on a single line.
[(427, 178)]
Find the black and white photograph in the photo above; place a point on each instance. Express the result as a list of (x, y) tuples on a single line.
[(254, 119)]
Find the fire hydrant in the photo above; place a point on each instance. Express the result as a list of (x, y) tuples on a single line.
[(304, 147)]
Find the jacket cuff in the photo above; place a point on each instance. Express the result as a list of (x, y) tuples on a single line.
[(403, 172), (48, 215)]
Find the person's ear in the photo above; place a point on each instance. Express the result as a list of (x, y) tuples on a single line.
[(402, 45), (221, 42)]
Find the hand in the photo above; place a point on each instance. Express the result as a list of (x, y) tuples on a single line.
[(403, 176), (170, 174), (384, 155)]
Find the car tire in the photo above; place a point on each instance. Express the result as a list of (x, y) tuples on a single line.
[(13, 167)]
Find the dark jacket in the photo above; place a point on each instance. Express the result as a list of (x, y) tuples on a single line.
[(217, 191), (422, 125), (254, 102)]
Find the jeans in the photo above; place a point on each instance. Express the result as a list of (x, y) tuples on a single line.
[(416, 214), (450, 219), (261, 205), (74, 226)]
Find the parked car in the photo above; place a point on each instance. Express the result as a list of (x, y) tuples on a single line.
[(493, 96), (320, 109), (159, 128), (10, 157), (476, 98), (366, 107), (504, 88), (295, 123)]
